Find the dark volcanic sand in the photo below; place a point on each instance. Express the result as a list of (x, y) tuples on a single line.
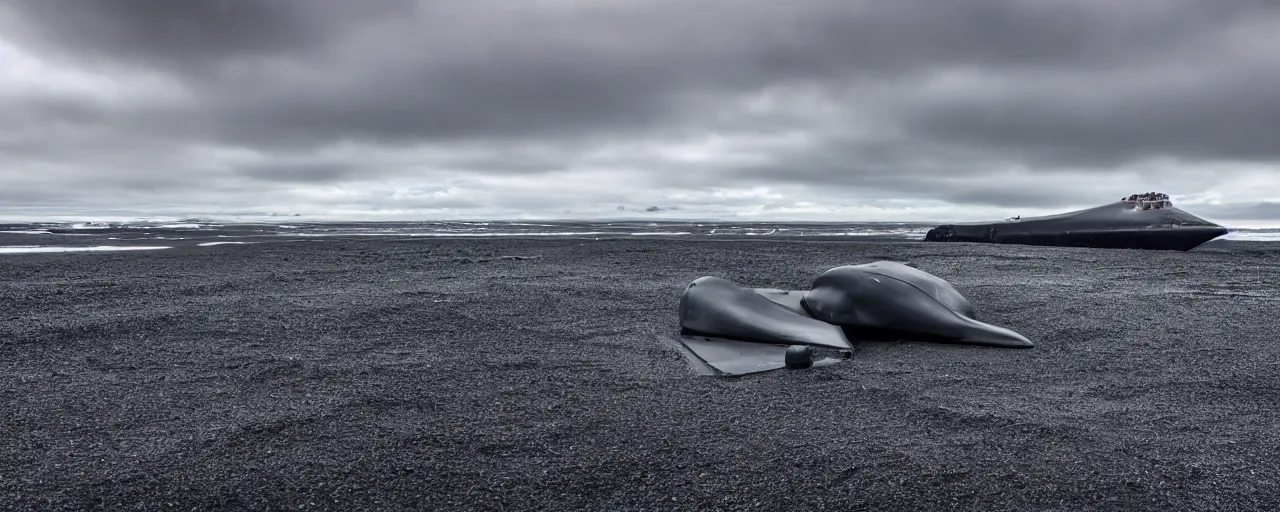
[(540, 374)]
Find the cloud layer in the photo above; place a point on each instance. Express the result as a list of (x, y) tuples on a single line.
[(828, 109)]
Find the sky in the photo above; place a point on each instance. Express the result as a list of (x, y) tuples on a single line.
[(831, 110)]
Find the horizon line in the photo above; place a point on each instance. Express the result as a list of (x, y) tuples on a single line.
[(299, 219)]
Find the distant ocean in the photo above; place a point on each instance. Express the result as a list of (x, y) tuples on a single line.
[(132, 236)]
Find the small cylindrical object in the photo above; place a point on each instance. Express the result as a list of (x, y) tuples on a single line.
[(799, 357)]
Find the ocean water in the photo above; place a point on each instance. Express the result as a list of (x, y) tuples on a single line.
[(87, 237)]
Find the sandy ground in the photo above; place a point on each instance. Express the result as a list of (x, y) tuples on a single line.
[(540, 374)]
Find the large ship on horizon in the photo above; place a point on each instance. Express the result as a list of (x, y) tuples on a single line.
[(1139, 221)]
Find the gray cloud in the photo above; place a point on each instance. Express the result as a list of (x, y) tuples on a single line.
[(195, 35), (1253, 210), (1002, 103), (301, 172)]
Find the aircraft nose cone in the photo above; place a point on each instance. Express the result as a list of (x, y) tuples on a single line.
[(981, 332)]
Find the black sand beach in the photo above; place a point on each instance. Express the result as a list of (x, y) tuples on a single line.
[(507, 374)]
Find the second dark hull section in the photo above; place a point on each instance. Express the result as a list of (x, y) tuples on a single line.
[(1171, 239), (1120, 225)]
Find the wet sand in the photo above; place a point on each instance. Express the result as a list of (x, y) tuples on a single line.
[(466, 374)]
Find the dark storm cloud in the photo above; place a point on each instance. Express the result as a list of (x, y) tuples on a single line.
[(911, 97), (1229, 116), (193, 34)]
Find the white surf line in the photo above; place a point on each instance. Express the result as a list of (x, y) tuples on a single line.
[(1251, 237), (27, 249), (211, 244), (511, 234), (454, 235)]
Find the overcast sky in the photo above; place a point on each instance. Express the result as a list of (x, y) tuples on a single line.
[(754, 109)]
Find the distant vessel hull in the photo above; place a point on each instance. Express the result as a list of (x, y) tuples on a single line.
[(1119, 225)]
